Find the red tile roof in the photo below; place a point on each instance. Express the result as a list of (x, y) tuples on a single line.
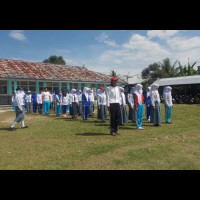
[(45, 71)]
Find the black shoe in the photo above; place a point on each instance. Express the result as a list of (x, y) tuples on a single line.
[(12, 129), (25, 127), (113, 134)]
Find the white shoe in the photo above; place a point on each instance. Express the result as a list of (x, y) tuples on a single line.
[(140, 128)]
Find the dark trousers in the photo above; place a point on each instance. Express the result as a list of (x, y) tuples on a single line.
[(114, 116), (40, 107), (35, 107)]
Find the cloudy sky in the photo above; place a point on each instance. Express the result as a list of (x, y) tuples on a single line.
[(125, 51)]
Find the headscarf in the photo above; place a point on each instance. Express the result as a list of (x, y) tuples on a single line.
[(167, 90), (148, 92), (73, 90), (85, 91), (155, 92), (138, 92)]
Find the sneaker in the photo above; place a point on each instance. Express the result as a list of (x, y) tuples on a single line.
[(25, 127), (140, 128), (113, 134), (117, 133), (12, 129)]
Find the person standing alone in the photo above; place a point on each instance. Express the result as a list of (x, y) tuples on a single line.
[(113, 104)]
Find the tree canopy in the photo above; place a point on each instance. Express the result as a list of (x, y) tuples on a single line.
[(166, 69), (55, 60)]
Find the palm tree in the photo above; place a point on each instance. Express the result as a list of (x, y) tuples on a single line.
[(114, 74)]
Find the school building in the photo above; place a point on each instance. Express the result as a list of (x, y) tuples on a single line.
[(37, 75), (181, 85)]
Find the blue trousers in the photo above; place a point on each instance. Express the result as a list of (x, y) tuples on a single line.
[(139, 113), (148, 112), (58, 110), (64, 109), (46, 107), (14, 107), (168, 112), (86, 112), (35, 107)]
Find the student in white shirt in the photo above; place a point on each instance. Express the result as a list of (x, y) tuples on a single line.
[(64, 102), (20, 109), (155, 117), (167, 96), (131, 105), (80, 107), (58, 99), (123, 114), (46, 99), (73, 103), (113, 103), (28, 101), (39, 101), (102, 105), (91, 97)]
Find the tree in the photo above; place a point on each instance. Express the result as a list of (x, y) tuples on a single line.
[(55, 60), (187, 70), (114, 74)]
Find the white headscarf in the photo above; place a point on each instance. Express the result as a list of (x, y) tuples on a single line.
[(85, 91), (138, 92), (167, 90), (73, 90), (148, 92), (155, 92)]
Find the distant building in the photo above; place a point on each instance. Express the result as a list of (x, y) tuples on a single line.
[(181, 85), (37, 75)]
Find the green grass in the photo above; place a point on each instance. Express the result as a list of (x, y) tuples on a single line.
[(57, 143)]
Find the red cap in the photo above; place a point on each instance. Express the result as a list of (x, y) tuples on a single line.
[(114, 79), (101, 88)]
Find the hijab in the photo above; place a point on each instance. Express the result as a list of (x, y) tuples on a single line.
[(138, 92)]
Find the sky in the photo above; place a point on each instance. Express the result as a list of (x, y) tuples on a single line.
[(127, 52)]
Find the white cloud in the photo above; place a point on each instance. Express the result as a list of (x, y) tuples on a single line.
[(103, 38), (18, 35), (162, 34), (183, 43)]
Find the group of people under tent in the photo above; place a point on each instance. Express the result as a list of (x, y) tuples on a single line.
[(110, 101)]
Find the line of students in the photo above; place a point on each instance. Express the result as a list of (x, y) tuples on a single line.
[(114, 101)]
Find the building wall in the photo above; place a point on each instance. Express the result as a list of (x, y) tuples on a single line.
[(8, 87)]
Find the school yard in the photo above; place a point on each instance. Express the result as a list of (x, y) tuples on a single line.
[(58, 143)]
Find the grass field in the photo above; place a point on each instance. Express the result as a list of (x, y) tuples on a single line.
[(57, 143)]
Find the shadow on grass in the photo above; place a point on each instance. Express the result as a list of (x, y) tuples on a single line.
[(92, 134)]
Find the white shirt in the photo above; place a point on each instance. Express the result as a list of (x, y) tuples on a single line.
[(168, 99), (19, 100), (123, 99), (46, 95), (73, 98), (155, 97), (39, 98), (102, 99), (131, 100), (13, 99), (80, 97), (28, 98), (65, 100), (114, 95), (91, 97)]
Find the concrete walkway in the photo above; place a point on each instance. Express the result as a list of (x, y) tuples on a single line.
[(5, 108)]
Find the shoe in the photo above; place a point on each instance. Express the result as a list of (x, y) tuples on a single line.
[(140, 128), (113, 134), (117, 133), (25, 127), (168, 122), (12, 129)]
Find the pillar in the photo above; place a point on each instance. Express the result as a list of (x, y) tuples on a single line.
[(15, 85), (79, 86), (60, 85), (9, 83), (37, 87), (68, 86), (44, 84)]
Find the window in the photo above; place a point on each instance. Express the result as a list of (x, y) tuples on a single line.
[(3, 87)]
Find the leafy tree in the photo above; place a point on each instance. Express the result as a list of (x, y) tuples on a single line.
[(114, 74), (55, 60), (187, 70)]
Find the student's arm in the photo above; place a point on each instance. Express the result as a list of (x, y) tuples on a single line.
[(135, 101)]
